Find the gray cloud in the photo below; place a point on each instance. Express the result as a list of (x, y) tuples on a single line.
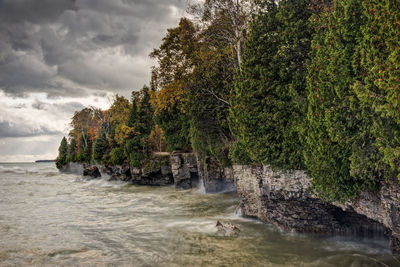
[(57, 56), (65, 47), (9, 129)]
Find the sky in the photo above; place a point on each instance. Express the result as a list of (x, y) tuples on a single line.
[(58, 56)]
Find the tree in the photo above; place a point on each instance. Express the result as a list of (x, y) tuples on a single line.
[(157, 139), (209, 98), (230, 19), (119, 110), (268, 104), (378, 86), (100, 148), (169, 83), (141, 122), (62, 153), (117, 155), (340, 148), (72, 150)]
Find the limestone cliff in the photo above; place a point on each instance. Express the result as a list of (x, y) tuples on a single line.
[(284, 199)]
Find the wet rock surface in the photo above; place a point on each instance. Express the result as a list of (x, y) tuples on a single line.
[(184, 170), (91, 171), (284, 199), (216, 178), (118, 172)]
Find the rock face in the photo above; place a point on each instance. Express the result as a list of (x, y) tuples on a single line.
[(91, 171), (184, 170), (155, 171), (215, 177), (117, 172), (284, 199), (383, 207)]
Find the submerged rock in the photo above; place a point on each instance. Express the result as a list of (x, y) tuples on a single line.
[(227, 229)]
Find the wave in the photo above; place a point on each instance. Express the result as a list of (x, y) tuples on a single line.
[(104, 181), (47, 170)]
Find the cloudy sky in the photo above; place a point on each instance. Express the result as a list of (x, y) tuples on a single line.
[(57, 56)]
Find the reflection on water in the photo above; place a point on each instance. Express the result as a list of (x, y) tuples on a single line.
[(47, 218)]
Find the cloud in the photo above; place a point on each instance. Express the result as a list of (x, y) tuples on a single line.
[(58, 56), (57, 46), (35, 114)]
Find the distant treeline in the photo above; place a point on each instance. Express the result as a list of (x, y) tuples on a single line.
[(299, 84)]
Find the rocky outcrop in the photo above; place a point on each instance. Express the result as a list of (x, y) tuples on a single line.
[(284, 199), (91, 171), (384, 207), (184, 170), (155, 171), (117, 172)]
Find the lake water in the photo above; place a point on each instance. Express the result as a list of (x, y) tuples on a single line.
[(48, 219)]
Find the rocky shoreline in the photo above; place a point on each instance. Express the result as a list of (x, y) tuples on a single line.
[(281, 198)]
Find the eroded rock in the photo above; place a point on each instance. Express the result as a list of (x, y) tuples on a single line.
[(91, 171), (184, 170)]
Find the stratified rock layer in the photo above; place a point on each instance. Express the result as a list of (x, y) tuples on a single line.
[(184, 170), (284, 199)]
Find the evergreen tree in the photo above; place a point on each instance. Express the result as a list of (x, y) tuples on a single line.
[(378, 86), (339, 144), (62, 153), (268, 107), (100, 148), (141, 121), (72, 150)]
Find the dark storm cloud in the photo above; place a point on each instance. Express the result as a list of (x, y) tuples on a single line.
[(12, 11), (65, 47)]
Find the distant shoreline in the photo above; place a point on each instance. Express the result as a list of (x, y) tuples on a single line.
[(44, 160)]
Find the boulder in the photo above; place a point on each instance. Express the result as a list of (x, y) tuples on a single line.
[(91, 171), (227, 229)]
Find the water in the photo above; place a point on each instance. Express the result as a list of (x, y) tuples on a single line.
[(48, 218)]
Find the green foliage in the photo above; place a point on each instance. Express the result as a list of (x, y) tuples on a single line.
[(175, 126), (117, 155), (141, 120), (72, 150), (134, 151), (268, 104), (340, 149), (378, 86), (99, 148), (169, 82), (62, 153), (209, 91)]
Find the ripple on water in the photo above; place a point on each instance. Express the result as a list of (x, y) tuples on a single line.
[(48, 218)]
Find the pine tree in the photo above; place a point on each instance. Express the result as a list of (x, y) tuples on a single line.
[(62, 153)]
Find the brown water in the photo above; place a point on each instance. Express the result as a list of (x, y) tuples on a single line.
[(48, 218)]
